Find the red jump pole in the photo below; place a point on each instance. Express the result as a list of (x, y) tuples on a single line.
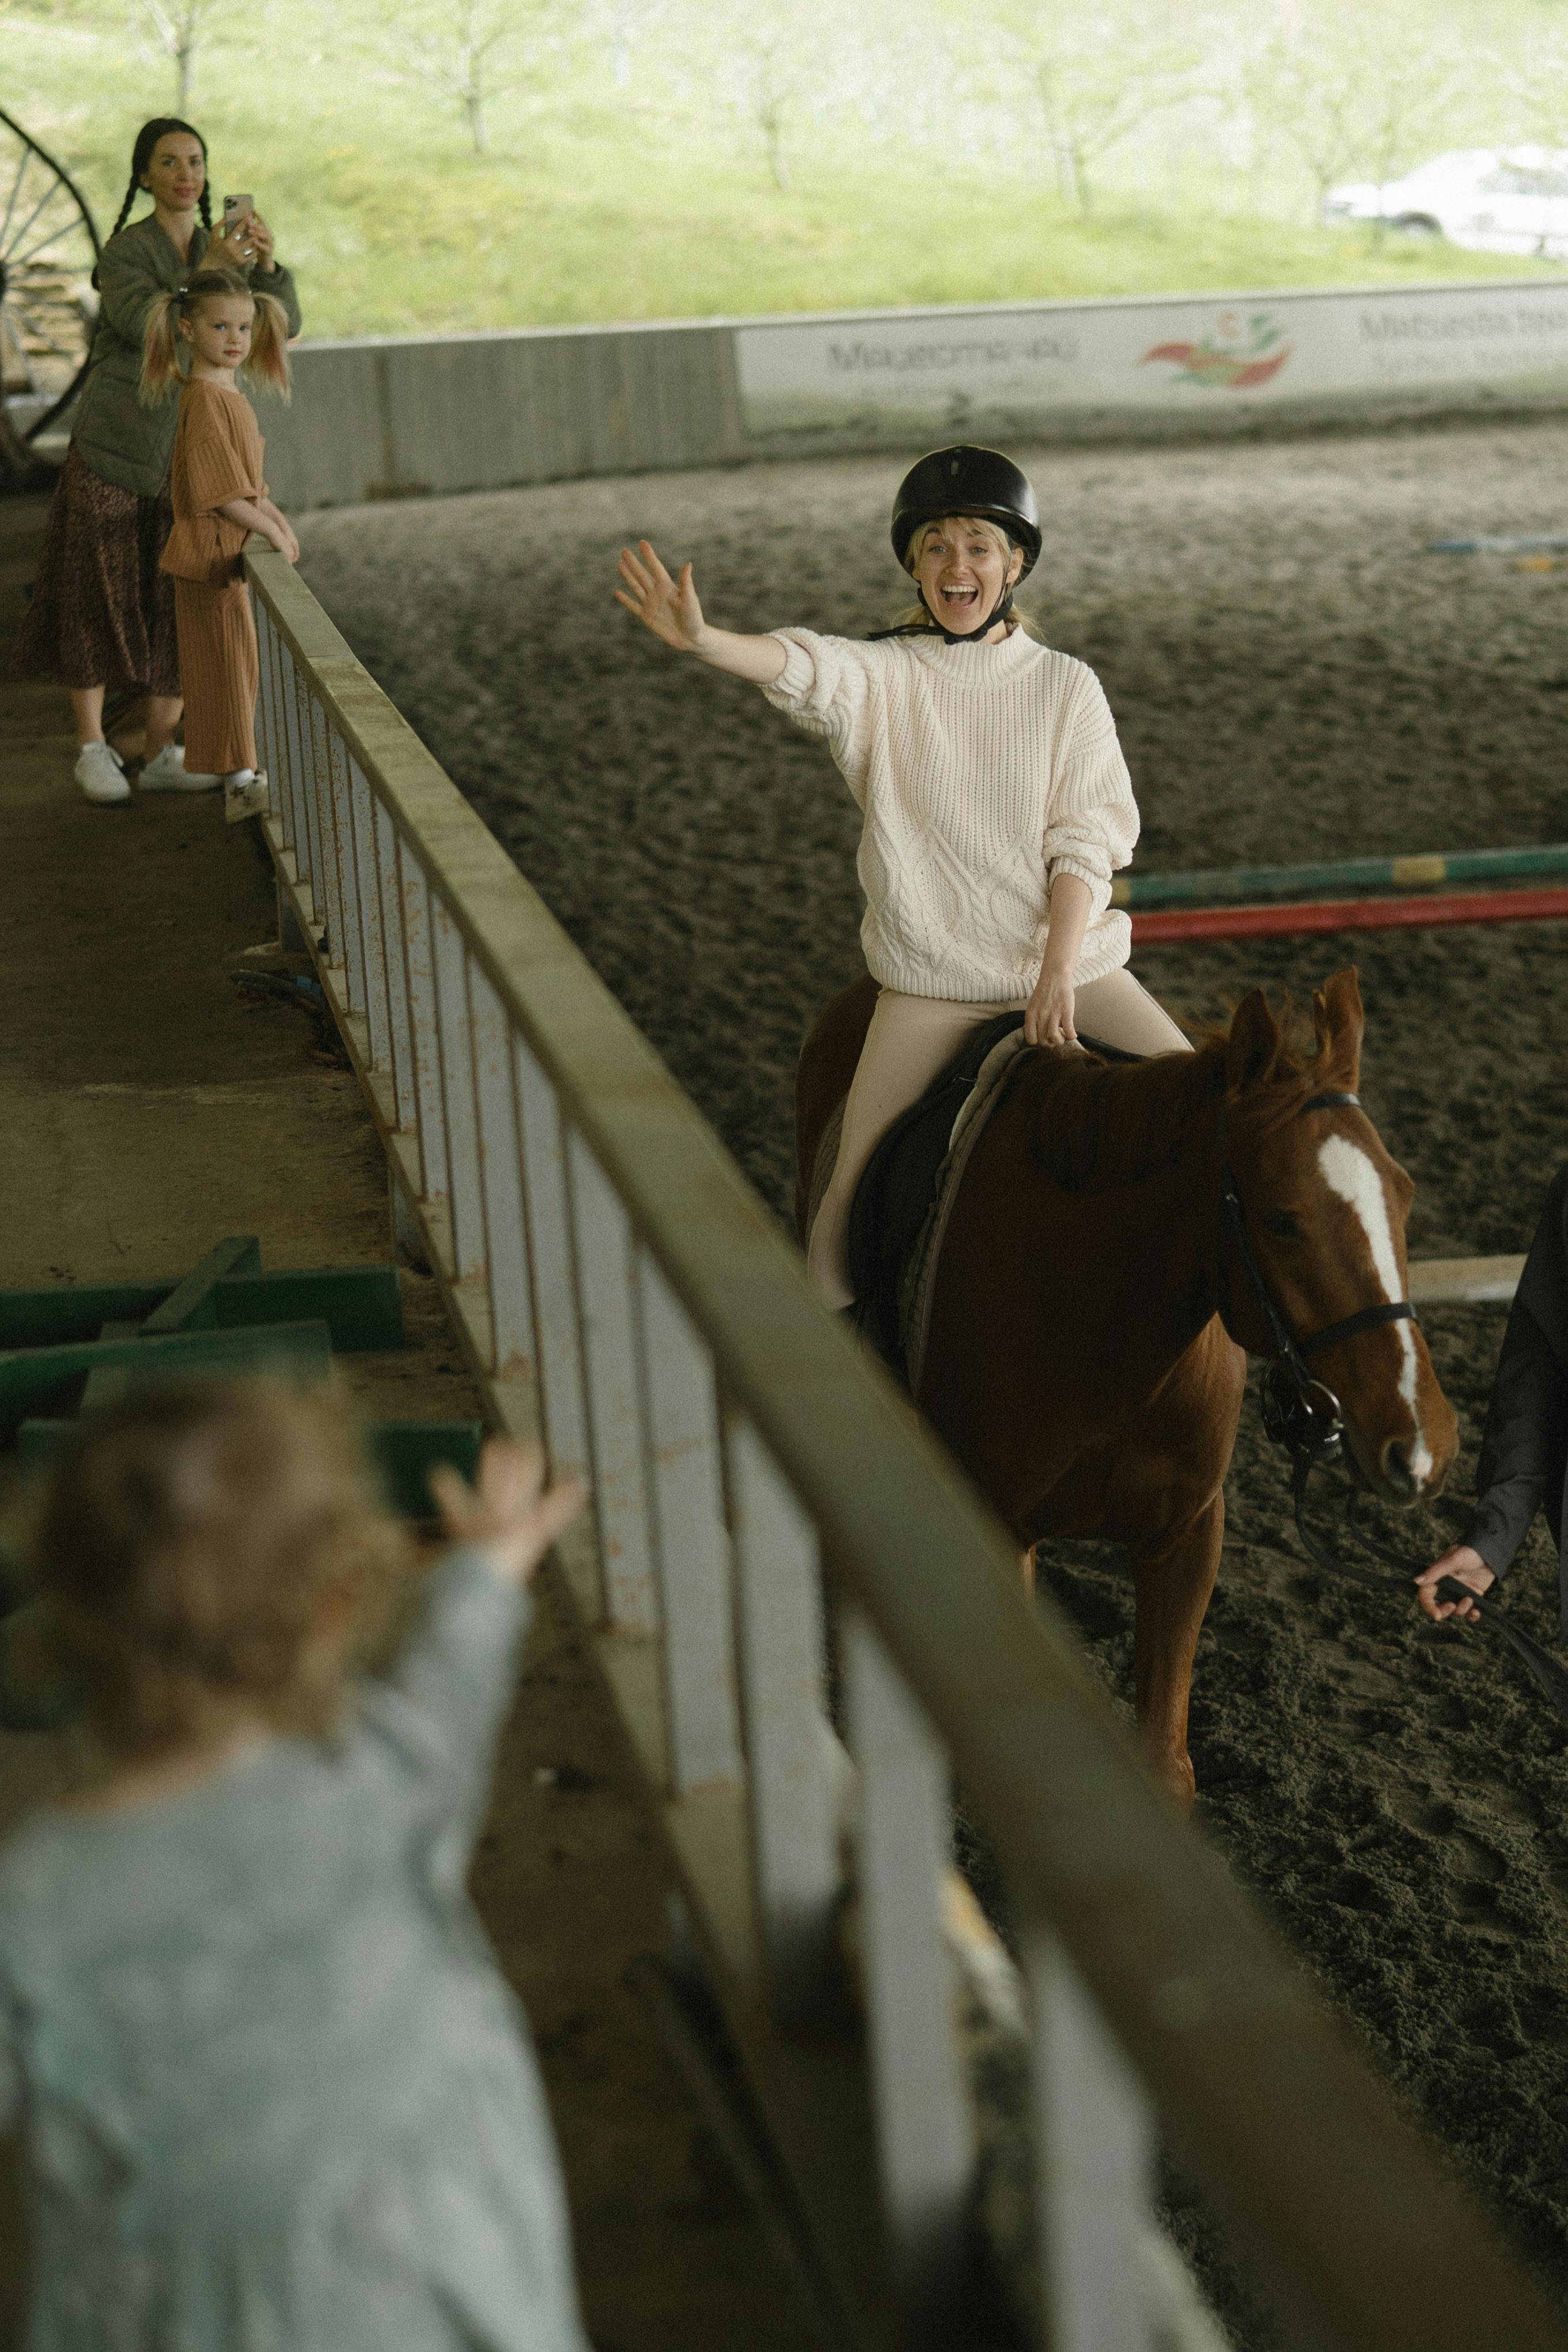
[(1349, 915)]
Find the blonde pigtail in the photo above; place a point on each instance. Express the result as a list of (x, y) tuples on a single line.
[(160, 352), (268, 358)]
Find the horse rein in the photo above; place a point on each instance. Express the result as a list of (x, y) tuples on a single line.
[(1303, 1413)]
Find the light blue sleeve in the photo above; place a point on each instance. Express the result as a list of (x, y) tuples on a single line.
[(443, 1704), (11, 2080)]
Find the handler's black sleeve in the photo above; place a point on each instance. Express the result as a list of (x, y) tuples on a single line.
[(1524, 1448)]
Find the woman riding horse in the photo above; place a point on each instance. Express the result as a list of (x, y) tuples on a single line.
[(996, 799), (1092, 1300)]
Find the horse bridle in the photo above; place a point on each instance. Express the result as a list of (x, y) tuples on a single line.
[(1303, 1413)]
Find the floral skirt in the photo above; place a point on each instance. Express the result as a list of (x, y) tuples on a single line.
[(102, 614)]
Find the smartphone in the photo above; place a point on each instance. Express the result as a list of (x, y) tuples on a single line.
[(236, 209)]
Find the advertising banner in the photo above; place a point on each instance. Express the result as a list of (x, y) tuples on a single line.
[(1216, 360)]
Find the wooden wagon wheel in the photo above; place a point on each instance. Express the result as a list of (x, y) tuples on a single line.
[(49, 246)]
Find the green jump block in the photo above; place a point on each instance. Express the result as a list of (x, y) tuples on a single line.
[(63, 1311), (39, 1379), (405, 1452), (191, 1306), (106, 1384), (361, 1305), (59, 1313)]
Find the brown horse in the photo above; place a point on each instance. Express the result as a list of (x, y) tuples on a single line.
[(1084, 1358)]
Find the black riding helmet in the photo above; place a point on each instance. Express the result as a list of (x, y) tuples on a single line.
[(965, 480)]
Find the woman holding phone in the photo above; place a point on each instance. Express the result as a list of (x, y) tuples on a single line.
[(102, 614)]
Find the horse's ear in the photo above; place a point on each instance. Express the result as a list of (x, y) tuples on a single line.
[(1255, 1042), (1340, 1022)]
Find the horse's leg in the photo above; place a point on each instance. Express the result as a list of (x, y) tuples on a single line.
[(1176, 1573), (1028, 1563)]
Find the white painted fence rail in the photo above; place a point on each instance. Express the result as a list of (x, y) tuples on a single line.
[(619, 1288)]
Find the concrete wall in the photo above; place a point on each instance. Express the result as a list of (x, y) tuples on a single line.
[(388, 417), (407, 417)]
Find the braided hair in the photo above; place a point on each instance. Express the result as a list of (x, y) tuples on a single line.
[(141, 154)]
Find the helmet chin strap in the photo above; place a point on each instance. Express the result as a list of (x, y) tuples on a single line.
[(1000, 610)]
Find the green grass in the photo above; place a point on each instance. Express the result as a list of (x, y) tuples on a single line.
[(393, 225)]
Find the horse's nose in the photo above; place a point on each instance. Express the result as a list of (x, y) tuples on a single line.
[(1398, 1473)]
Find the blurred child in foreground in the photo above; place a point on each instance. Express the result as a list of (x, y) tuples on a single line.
[(274, 2090)]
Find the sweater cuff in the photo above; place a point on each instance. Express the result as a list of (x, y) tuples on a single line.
[(794, 682)]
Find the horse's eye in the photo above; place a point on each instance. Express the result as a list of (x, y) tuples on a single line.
[(1283, 1223)]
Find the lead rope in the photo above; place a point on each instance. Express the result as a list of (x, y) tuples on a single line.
[(1546, 1671)]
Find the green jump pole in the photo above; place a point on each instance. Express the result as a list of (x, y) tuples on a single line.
[(1223, 885)]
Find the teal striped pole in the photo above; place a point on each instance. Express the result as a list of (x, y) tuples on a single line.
[(1224, 885)]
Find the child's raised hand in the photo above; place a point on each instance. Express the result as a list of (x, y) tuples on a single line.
[(508, 1512), (669, 607)]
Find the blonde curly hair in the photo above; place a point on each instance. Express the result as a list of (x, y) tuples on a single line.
[(195, 1544)]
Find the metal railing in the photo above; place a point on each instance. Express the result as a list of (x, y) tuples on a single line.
[(620, 1291)]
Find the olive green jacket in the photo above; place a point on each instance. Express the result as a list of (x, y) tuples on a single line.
[(113, 434)]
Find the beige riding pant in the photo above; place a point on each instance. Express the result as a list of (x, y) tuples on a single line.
[(910, 1041)]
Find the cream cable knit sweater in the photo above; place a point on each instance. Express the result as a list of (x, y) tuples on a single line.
[(983, 771)]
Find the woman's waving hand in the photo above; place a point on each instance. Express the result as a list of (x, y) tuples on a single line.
[(671, 609)]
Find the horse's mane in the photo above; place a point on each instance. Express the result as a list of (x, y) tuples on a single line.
[(1095, 1126)]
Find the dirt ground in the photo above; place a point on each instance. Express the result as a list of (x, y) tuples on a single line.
[(1295, 677)]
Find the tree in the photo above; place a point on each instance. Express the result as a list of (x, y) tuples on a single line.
[(1356, 101), (477, 50), (1538, 92), (770, 60), (175, 28), (1094, 77), (622, 25)]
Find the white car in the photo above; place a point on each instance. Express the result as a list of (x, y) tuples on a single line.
[(1490, 199)]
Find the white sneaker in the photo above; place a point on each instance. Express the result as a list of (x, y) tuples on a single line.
[(169, 773), (98, 772), (245, 794)]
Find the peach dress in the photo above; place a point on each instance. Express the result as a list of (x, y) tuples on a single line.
[(218, 452)]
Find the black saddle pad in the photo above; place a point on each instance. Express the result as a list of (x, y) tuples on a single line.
[(895, 1192), (893, 1196)]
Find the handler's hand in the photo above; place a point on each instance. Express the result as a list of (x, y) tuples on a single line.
[(1466, 1566), (508, 1512), (1048, 1016), (669, 607)]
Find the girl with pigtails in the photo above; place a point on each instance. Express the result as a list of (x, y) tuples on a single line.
[(218, 496), (102, 615)]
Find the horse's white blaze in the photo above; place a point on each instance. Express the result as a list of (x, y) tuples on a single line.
[(1349, 1174)]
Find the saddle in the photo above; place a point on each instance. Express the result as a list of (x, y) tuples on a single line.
[(899, 1215)]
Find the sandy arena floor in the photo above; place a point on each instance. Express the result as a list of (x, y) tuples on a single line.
[(1295, 677)]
